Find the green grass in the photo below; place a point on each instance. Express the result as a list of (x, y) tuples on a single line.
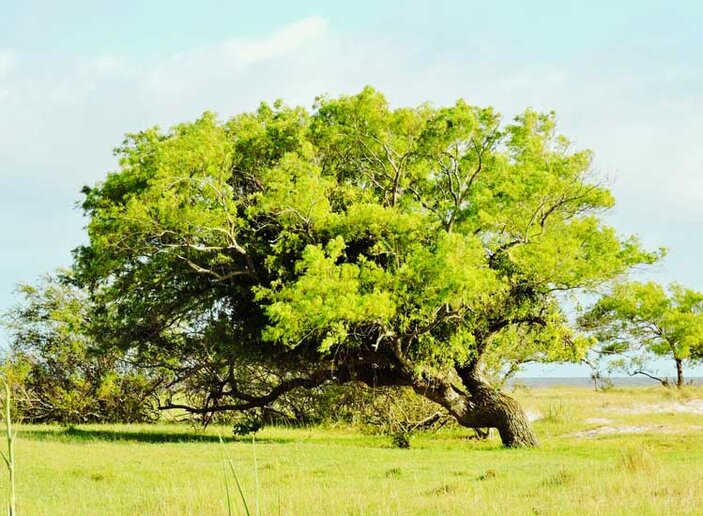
[(172, 469)]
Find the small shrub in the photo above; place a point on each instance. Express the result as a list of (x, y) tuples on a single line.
[(637, 459), (558, 413), (561, 478), (401, 440), (247, 426), (684, 393), (394, 473), (444, 489), (490, 473)]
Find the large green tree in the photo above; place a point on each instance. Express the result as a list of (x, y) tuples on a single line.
[(289, 248), (644, 316)]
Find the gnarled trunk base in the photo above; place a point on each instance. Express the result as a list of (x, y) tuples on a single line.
[(506, 415), (492, 409), (486, 407), (477, 405)]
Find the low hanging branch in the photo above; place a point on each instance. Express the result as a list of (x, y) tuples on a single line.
[(250, 401), (663, 381)]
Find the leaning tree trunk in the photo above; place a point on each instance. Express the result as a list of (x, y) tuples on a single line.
[(494, 409), (484, 407)]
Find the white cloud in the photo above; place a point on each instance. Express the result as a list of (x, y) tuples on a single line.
[(289, 40), (103, 67), (8, 59), (207, 70)]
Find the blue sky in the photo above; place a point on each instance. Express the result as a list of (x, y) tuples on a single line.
[(626, 79)]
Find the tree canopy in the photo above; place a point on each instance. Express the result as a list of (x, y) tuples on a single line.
[(645, 316), (350, 242)]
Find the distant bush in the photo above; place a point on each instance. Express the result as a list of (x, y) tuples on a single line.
[(558, 413), (248, 425), (56, 372), (401, 440)]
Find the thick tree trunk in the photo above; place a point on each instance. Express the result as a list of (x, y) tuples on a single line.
[(491, 408), (500, 411), (484, 407), (679, 372)]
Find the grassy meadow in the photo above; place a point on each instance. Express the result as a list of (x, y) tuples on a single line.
[(624, 451)]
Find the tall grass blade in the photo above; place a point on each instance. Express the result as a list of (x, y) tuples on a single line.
[(229, 498), (236, 478), (10, 457), (256, 476)]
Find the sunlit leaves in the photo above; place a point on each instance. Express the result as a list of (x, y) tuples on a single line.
[(327, 299), (438, 231), (296, 194), (667, 323)]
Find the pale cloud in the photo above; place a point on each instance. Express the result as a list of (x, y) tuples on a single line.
[(207, 70), (291, 39), (64, 118), (103, 67), (8, 59)]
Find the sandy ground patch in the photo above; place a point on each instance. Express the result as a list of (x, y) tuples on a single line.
[(598, 421), (637, 429), (671, 407), (629, 429)]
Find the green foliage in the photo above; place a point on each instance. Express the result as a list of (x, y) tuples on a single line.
[(647, 317), (56, 373), (247, 426), (291, 242), (400, 440), (329, 296)]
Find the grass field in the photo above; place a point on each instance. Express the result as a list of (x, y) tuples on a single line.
[(625, 451)]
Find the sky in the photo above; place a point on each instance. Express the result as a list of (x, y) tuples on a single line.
[(625, 79)]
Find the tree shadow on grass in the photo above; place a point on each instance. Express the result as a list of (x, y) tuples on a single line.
[(74, 434)]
